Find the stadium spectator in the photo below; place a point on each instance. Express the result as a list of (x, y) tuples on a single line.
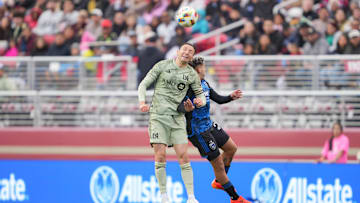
[(107, 33), (332, 35), (307, 7), (115, 7), (234, 16), (315, 43), (5, 29), (93, 27), (26, 42), (265, 47), (353, 20), (275, 36), (196, 4), (166, 30), (154, 24), (40, 47), (40, 4), (132, 24), (80, 24), (49, 21), (149, 56), (341, 44), (213, 13), (249, 10), (31, 19), (80, 4), (293, 49), (353, 47), (340, 19), (335, 149), (70, 36), (279, 22), (70, 15), (134, 48), (154, 9), (201, 26), (249, 32), (299, 35), (12, 49), (320, 24), (263, 10), (180, 37), (59, 47), (119, 25), (173, 7), (295, 16), (19, 25), (6, 84), (249, 47)]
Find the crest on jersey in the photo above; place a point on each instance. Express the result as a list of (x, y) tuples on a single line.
[(181, 86)]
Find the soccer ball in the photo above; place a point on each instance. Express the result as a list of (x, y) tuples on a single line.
[(186, 16)]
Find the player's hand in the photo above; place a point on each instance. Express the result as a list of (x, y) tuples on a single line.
[(237, 94), (198, 102), (188, 105), (144, 107)]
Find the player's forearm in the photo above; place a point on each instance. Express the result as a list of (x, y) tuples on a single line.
[(142, 91), (219, 98)]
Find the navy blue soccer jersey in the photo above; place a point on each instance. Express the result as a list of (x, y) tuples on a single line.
[(198, 120)]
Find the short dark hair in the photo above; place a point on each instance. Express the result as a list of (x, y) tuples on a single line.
[(188, 43), (196, 61)]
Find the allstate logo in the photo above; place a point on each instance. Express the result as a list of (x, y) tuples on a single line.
[(266, 186), (104, 185)]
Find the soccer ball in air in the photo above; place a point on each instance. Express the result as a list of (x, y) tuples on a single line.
[(186, 16)]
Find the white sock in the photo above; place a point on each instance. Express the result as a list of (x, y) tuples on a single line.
[(164, 196), (191, 197)]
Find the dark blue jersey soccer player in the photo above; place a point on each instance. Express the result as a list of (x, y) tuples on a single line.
[(207, 135)]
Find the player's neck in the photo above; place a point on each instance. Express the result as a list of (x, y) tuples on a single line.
[(179, 63)]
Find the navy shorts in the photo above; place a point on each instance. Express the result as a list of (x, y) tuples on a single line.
[(209, 142)]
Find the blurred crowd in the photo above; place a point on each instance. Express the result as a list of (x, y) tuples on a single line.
[(147, 29), (66, 27)]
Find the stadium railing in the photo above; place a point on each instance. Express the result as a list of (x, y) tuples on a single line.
[(257, 109), (278, 72), (71, 73)]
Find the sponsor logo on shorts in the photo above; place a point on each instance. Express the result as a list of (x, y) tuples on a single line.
[(155, 135), (212, 145)]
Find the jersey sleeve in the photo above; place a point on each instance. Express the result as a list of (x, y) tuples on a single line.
[(219, 98), (150, 77), (197, 88)]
